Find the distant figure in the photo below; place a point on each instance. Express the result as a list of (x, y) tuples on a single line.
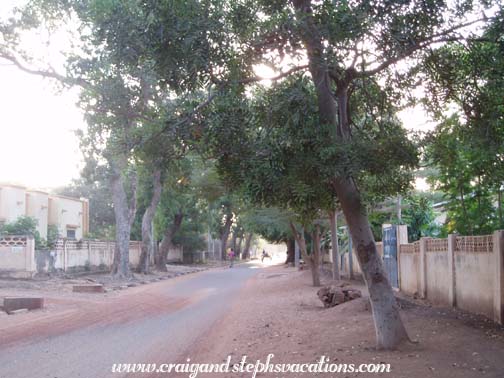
[(231, 256), (264, 256)]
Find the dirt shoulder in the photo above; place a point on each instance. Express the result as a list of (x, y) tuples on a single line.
[(65, 311), (278, 312), (62, 282)]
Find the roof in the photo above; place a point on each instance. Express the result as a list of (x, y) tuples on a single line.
[(68, 198), (17, 186)]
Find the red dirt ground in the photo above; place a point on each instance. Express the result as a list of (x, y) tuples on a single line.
[(66, 311), (278, 312)]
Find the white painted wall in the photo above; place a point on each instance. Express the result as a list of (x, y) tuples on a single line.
[(12, 202), (37, 206), (66, 212)]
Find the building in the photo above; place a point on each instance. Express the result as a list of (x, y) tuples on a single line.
[(69, 215)]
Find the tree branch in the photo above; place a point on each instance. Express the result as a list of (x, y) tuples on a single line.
[(278, 77), (442, 36), (51, 73)]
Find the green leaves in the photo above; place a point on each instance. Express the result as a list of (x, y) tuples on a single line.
[(467, 146), (273, 149)]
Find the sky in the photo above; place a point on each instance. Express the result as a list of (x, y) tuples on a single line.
[(38, 145)]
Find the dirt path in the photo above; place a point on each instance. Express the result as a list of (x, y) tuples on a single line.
[(83, 335), (278, 312)]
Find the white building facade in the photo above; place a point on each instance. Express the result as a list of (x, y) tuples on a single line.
[(69, 215)]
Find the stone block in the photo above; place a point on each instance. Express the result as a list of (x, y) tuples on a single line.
[(16, 303), (93, 288)]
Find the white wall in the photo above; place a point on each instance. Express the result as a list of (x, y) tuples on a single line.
[(65, 213), (37, 206), (12, 203), (17, 256)]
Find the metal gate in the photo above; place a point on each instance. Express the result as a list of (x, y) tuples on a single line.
[(390, 253)]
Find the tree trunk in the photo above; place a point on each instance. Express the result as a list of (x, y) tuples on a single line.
[(389, 328), (464, 209), (309, 260), (316, 257), (225, 235), (147, 245), (121, 268), (499, 206), (167, 241), (333, 218), (390, 331), (238, 247), (246, 248), (291, 250), (233, 242)]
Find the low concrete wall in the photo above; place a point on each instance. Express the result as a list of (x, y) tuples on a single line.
[(76, 255), (474, 281), (17, 256), (409, 266), (438, 279), (467, 272), (175, 255), (70, 255)]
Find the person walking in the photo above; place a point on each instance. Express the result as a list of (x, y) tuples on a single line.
[(231, 256)]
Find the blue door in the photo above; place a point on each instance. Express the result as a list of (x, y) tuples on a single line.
[(390, 254)]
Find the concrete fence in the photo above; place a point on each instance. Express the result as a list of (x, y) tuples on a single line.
[(71, 255), (18, 257), (462, 271)]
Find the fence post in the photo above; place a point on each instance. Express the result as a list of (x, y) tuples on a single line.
[(64, 255), (401, 238), (89, 252), (452, 294), (30, 255), (498, 251), (423, 268)]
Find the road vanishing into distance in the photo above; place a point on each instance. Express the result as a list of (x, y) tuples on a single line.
[(154, 323)]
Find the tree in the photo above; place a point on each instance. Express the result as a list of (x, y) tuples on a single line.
[(419, 216), (347, 45), (394, 37), (183, 213), (122, 101), (465, 82), (155, 187), (222, 203), (23, 225), (272, 224), (282, 157)]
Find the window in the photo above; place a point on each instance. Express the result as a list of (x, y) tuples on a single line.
[(70, 233)]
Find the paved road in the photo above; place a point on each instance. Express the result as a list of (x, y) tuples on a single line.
[(182, 311)]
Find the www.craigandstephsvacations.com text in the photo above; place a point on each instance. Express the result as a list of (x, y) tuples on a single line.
[(192, 369)]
